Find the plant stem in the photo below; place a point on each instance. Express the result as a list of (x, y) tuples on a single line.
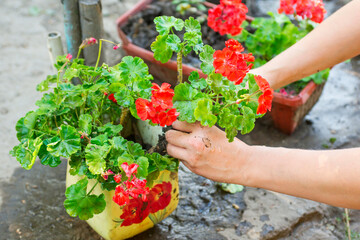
[(99, 54), (347, 218), (93, 188), (179, 67), (123, 117), (78, 54)]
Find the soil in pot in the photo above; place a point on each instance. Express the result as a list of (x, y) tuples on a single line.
[(141, 30)]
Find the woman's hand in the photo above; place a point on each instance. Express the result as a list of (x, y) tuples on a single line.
[(207, 152)]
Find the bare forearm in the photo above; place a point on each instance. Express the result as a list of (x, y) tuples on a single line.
[(330, 177), (333, 41)]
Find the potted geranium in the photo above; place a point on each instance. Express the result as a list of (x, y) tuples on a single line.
[(114, 181)]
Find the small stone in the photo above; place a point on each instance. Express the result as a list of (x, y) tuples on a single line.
[(23, 201)]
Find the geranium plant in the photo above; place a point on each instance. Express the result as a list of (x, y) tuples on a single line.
[(265, 38), (89, 124), (83, 123), (229, 96)]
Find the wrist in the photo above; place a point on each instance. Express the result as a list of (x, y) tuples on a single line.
[(245, 165)]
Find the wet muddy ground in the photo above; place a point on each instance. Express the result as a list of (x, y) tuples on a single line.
[(31, 202)]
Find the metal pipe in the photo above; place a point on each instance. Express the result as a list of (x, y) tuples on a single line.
[(55, 46)]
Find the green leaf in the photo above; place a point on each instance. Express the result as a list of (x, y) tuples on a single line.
[(194, 40), (118, 143), (135, 149), (231, 123), (196, 81), (184, 92), (110, 129), (165, 23), (44, 85), (66, 144), (123, 98), (78, 203), (192, 25), (71, 73), (203, 113), (186, 110), (173, 42), (247, 120), (206, 56), (142, 170), (132, 68), (125, 157), (85, 123), (231, 188), (95, 157), (100, 139), (25, 125), (217, 82), (47, 105), (193, 34), (27, 152), (162, 51), (78, 165), (46, 158)]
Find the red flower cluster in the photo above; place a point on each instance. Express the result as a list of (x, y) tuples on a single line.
[(133, 187), (227, 17), (137, 210), (111, 97), (310, 9), (231, 63), (159, 110), (265, 99)]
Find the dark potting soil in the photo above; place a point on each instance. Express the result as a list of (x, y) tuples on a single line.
[(141, 30)]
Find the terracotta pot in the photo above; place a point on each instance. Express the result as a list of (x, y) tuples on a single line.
[(111, 224), (286, 112)]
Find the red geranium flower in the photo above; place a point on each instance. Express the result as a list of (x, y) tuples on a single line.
[(310, 9), (159, 196), (129, 170), (231, 62), (135, 212), (162, 96), (112, 98), (227, 17), (159, 110), (117, 178), (167, 118), (145, 109), (121, 196), (262, 83), (265, 100)]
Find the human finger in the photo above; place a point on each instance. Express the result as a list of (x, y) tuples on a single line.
[(177, 138), (177, 152), (184, 126)]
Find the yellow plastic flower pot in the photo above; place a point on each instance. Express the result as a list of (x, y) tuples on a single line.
[(117, 222)]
